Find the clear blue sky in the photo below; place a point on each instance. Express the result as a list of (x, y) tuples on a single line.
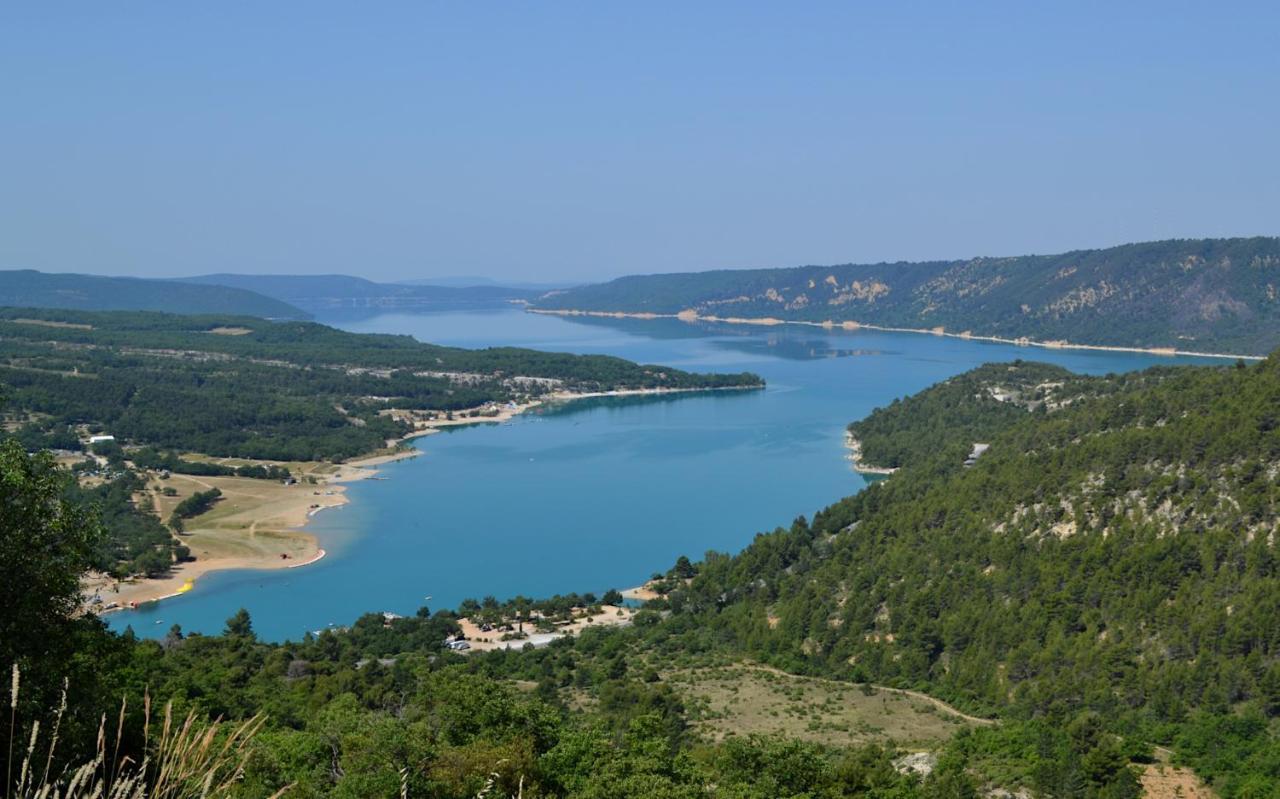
[(583, 140)]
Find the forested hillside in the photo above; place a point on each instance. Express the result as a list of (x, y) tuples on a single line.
[(1193, 294), (1113, 553), (972, 407), (27, 288), (319, 292), (244, 387), (1103, 582)]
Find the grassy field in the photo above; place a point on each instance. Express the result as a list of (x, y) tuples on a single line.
[(743, 698), (254, 519)]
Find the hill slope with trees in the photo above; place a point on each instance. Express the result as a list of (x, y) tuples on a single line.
[(1103, 581), (250, 388), (1113, 556), (1205, 295), (27, 288), (324, 292)]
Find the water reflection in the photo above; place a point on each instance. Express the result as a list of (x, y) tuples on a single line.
[(789, 342)]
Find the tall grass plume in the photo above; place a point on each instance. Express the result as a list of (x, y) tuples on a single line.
[(189, 759)]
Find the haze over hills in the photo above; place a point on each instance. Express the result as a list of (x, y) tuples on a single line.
[(27, 288), (467, 281), (318, 292), (1191, 294)]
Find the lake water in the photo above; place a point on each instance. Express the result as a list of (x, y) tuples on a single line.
[(595, 494)]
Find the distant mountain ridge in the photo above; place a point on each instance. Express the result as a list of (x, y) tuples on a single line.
[(321, 292), (28, 288), (1193, 294)]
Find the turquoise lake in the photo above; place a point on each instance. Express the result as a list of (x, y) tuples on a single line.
[(595, 494)]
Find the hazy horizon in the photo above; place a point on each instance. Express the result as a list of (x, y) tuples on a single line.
[(575, 143)]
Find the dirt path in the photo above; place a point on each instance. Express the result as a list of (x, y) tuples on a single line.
[(1160, 781), (938, 703)]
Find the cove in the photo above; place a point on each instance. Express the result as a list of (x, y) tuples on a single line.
[(600, 493)]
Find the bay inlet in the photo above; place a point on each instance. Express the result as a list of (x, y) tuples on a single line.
[(595, 493)]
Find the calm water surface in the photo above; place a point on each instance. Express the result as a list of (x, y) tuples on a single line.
[(595, 494)]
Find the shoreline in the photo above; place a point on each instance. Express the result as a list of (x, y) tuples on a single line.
[(329, 492), (295, 547), (769, 321), (855, 456), (641, 593)]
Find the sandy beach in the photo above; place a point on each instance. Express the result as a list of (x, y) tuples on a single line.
[(117, 595), (257, 524), (641, 593)]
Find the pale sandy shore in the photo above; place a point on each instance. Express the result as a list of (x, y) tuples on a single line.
[(258, 524), (641, 593), (507, 412), (648, 591), (768, 321), (123, 595), (855, 457)]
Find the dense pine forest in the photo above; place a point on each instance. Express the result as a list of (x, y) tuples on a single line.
[(1112, 555), (1205, 295), (1102, 583)]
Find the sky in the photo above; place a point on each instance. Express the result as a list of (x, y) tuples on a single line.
[(579, 141)]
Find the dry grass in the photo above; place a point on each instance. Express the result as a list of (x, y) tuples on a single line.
[(188, 759), (254, 519), (745, 698), (255, 525), (1162, 781)]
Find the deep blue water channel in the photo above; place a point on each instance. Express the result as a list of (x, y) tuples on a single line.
[(595, 494)]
